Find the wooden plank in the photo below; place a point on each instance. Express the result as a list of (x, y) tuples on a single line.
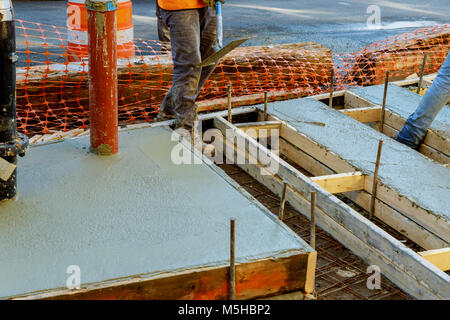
[(259, 125), (432, 139), (253, 280), (428, 79), (428, 220), (341, 182), (385, 213), (400, 264), (260, 130), (439, 257), (351, 100), (368, 114), (323, 96)]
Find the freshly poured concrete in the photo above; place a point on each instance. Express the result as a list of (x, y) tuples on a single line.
[(404, 102), (128, 214), (402, 169)]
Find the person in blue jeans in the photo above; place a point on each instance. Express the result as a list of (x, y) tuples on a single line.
[(436, 97)]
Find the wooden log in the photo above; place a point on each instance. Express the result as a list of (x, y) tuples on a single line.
[(342, 182), (402, 57), (57, 94)]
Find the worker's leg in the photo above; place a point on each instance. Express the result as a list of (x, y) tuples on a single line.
[(163, 30), (208, 40), (184, 26), (436, 97)]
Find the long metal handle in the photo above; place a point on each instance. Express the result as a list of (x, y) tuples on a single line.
[(219, 24)]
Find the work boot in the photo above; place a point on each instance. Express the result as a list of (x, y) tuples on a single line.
[(162, 116)]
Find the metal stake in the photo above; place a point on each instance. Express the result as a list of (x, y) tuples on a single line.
[(265, 105), (282, 202), (232, 261), (331, 87), (229, 104), (422, 71), (313, 220), (375, 180), (383, 108)]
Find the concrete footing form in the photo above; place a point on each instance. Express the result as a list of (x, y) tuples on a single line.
[(404, 172), (338, 148), (140, 227)]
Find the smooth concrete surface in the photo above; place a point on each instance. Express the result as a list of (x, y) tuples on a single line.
[(404, 102), (128, 214), (408, 172)]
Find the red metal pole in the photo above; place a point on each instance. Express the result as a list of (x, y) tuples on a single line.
[(103, 101)]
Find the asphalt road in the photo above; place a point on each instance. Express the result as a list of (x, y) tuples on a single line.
[(340, 25)]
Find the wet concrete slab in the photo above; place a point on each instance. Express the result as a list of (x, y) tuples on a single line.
[(128, 214), (402, 169), (404, 102)]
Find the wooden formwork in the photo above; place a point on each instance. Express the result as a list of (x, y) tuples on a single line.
[(411, 271)]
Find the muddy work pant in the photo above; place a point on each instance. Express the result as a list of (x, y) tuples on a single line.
[(163, 30), (193, 38)]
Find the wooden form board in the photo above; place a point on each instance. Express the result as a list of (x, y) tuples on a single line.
[(367, 114), (260, 129), (433, 146), (401, 265), (394, 123), (432, 139), (439, 257), (254, 279)]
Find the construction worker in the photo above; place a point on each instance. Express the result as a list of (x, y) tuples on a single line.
[(436, 97), (163, 30), (192, 25)]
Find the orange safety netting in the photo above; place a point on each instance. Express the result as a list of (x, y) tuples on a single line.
[(52, 91)]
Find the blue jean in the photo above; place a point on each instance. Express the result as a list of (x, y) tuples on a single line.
[(436, 97), (193, 38)]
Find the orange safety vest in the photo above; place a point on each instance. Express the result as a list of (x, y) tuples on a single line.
[(180, 4)]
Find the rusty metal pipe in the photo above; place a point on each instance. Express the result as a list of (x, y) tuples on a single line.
[(11, 142), (103, 97)]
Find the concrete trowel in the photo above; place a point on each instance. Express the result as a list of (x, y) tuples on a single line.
[(220, 50)]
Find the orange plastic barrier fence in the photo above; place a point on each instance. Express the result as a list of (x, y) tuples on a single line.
[(52, 90)]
